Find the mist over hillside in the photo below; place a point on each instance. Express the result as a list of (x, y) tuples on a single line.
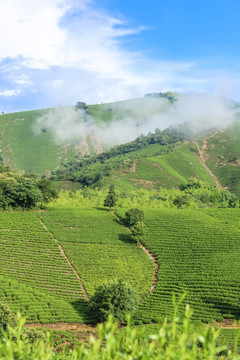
[(125, 121)]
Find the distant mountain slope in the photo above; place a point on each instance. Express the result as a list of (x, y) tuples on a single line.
[(25, 149), (22, 149), (73, 137), (167, 170), (221, 150)]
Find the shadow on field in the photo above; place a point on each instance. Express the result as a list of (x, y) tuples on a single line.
[(125, 238), (82, 308), (102, 209)]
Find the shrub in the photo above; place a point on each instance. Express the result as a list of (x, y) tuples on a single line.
[(33, 335), (116, 298), (6, 316), (133, 216), (138, 231)]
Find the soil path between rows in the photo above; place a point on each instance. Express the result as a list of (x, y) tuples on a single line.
[(69, 262), (65, 326), (203, 162)]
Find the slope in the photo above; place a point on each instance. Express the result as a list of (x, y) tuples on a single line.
[(221, 150), (197, 254), (27, 144)]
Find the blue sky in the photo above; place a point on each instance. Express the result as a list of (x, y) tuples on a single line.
[(58, 52)]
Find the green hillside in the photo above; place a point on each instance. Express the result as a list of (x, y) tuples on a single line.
[(198, 254), (43, 254), (169, 170), (157, 160), (221, 151), (24, 149)]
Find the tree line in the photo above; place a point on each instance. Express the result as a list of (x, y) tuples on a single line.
[(80, 170), (23, 191)]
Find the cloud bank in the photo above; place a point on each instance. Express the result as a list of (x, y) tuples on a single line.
[(56, 52), (140, 116)]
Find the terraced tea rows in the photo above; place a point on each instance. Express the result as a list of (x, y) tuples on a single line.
[(229, 216), (100, 248), (36, 306), (30, 255), (197, 254), (85, 226), (98, 263)]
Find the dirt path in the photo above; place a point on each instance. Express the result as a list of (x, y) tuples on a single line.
[(203, 162), (65, 326), (150, 255), (69, 263), (227, 324)]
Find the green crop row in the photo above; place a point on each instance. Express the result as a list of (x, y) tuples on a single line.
[(98, 263), (197, 254), (100, 248), (85, 226), (33, 257), (38, 306)]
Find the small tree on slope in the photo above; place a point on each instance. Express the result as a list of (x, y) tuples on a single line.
[(111, 198)]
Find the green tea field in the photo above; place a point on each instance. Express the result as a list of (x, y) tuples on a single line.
[(52, 261), (199, 255)]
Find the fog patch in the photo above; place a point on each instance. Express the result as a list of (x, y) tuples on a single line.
[(134, 117)]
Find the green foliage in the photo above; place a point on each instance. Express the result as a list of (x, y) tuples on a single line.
[(18, 191), (6, 316), (193, 198), (81, 105), (138, 231), (48, 191), (33, 335), (116, 298), (168, 342), (111, 198), (133, 216)]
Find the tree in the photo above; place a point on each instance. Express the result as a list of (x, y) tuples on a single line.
[(111, 198), (27, 193), (116, 298), (132, 216), (47, 190), (81, 105), (138, 231)]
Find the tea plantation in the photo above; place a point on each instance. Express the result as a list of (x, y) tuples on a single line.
[(100, 248), (197, 252)]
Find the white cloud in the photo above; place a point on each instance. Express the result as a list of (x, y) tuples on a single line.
[(72, 50), (13, 92)]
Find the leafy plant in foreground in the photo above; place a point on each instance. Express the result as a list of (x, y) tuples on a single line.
[(167, 344)]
